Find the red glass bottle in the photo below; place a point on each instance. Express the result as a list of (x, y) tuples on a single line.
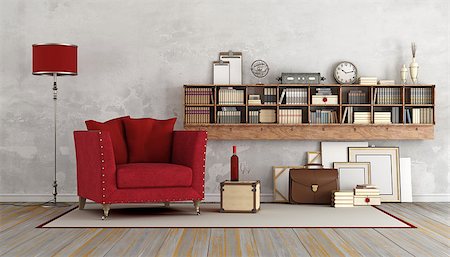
[(234, 165)]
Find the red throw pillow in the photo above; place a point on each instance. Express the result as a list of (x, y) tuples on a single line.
[(149, 140), (116, 131)]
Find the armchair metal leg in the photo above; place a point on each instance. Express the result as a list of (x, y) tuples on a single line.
[(106, 208), (197, 206), (82, 202), (166, 204)]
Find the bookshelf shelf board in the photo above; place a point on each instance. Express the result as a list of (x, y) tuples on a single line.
[(387, 105), (356, 105), (230, 105), (316, 131), (324, 105), (293, 105), (262, 105), (199, 105), (419, 105)]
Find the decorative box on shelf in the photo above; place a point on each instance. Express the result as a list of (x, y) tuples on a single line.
[(240, 196), (324, 99)]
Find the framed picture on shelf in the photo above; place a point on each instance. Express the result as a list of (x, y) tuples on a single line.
[(281, 182), (313, 158), (384, 169), (352, 174)]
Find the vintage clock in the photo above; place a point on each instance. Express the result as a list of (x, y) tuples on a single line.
[(345, 73)]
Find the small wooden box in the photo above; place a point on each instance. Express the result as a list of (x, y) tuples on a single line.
[(324, 99), (366, 200), (240, 196)]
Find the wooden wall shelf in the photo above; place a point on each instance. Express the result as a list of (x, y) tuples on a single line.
[(245, 130)]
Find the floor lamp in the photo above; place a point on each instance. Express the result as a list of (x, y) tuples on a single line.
[(55, 60)]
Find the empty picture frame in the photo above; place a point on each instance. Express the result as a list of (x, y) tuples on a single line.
[(352, 174), (221, 73), (313, 158), (384, 169), (337, 152), (281, 182), (235, 60)]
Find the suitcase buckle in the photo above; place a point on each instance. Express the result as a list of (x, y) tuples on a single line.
[(314, 188)]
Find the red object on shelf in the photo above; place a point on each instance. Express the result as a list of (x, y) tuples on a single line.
[(325, 99), (59, 59), (234, 165)]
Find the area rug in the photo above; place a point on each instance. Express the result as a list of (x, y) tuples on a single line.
[(270, 216)]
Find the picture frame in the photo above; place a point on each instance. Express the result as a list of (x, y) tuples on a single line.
[(281, 183), (352, 174), (337, 152), (313, 158), (384, 169)]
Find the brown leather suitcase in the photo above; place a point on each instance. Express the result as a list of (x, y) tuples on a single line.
[(312, 185)]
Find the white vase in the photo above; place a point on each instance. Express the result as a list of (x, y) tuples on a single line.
[(413, 70), (403, 74)]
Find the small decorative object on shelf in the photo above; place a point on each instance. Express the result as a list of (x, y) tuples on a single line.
[(414, 66), (234, 165), (300, 78), (260, 69), (404, 74), (345, 73)]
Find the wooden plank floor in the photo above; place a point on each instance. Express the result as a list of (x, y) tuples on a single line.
[(19, 237)]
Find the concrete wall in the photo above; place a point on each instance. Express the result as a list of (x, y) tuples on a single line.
[(134, 57)]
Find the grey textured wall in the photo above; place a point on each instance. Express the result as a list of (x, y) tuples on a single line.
[(134, 57)]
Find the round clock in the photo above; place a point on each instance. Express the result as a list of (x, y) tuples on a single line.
[(345, 73)]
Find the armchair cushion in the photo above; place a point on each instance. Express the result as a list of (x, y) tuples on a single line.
[(116, 131), (145, 175), (149, 140)]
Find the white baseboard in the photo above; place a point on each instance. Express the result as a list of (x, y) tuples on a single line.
[(208, 198)]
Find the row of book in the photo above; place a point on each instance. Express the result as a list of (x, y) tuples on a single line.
[(294, 96), (323, 117), (270, 95), (200, 95), (357, 97), (387, 95), (361, 118), (421, 95), (290, 116), (197, 115), (419, 115), (231, 96), (395, 114), (228, 117), (368, 81)]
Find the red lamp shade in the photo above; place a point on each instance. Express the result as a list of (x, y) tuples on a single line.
[(59, 59)]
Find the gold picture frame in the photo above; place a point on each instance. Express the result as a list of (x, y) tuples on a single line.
[(313, 158)]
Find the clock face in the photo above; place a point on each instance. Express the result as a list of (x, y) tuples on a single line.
[(345, 73)]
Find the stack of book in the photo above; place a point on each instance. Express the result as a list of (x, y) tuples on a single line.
[(421, 95), (253, 117), (361, 118), (197, 115), (323, 91), (229, 116), (422, 115), (254, 99), (270, 95), (294, 96), (366, 194), (267, 116), (387, 95), (386, 82), (357, 97), (290, 116), (342, 198), (231, 96), (382, 117), (323, 117), (198, 95), (368, 81)]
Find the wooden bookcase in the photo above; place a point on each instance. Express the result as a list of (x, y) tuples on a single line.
[(311, 131)]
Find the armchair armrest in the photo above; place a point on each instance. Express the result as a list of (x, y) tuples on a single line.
[(96, 167), (189, 149)]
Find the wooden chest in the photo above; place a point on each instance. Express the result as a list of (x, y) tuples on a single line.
[(240, 196)]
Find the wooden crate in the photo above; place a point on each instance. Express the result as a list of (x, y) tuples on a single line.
[(240, 196)]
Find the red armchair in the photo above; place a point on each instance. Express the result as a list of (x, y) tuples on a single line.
[(103, 181)]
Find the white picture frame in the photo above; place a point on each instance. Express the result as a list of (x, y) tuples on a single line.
[(281, 183), (405, 180), (337, 152), (384, 169), (352, 173), (221, 73)]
